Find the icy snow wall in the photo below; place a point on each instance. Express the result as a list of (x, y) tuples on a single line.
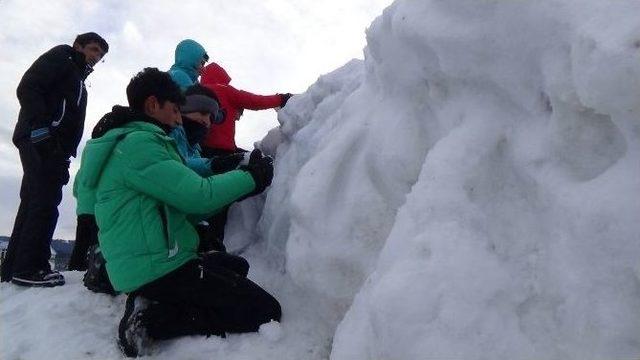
[(472, 189)]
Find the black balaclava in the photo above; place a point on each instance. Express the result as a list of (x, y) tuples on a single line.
[(195, 131)]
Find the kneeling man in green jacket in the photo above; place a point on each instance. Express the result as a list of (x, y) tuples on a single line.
[(146, 202)]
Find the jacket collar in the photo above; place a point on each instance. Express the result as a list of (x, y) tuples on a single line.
[(148, 119), (80, 61)]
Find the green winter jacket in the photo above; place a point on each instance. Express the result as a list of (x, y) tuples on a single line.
[(144, 200)]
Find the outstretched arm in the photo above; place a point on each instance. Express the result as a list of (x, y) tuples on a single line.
[(156, 173), (246, 100)]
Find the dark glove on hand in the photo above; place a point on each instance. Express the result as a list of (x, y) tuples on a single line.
[(224, 163), (284, 98), (261, 169)]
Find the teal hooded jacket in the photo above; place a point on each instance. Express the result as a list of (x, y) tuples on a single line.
[(188, 56), (190, 153)]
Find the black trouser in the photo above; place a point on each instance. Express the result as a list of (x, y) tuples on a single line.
[(40, 194), (197, 300), (217, 224), (218, 221), (86, 236)]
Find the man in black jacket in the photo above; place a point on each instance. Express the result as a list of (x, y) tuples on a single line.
[(53, 101)]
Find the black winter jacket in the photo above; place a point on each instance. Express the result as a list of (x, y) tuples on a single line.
[(53, 100)]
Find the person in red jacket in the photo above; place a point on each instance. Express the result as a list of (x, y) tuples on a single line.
[(220, 139)]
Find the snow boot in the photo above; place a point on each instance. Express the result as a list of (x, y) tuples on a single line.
[(41, 278), (133, 337)]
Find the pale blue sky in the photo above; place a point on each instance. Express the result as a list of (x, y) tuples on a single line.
[(267, 46)]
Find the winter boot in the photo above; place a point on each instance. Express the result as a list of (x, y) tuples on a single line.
[(41, 278), (133, 337)]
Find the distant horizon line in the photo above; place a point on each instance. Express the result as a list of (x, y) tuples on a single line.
[(3, 237)]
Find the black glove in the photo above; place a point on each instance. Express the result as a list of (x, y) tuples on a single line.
[(261, 169), (284, 98), (224, 163)]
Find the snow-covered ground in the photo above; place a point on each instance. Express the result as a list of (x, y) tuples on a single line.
[(471, 190)]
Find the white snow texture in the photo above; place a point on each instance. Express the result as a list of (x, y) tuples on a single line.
[(471, 190)]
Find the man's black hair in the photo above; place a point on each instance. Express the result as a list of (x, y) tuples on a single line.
[(152, 82), (88, 38), (198, 89)]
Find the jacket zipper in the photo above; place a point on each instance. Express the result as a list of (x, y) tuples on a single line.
[(173, 250), (80, 93), (64, 108)]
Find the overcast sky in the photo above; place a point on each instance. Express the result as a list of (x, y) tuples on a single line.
[(267, 46)]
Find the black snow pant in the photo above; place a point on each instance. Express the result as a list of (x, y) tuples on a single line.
[(217, 224), (218, 221), (44, 176), (86, 236), (197, 299)]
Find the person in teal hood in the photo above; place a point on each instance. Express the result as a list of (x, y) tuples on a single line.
[(190, 58), (146, 202)]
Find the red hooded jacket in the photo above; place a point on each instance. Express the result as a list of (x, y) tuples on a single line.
[(233, 101)]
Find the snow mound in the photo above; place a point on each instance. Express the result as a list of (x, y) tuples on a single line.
[(475, 184)]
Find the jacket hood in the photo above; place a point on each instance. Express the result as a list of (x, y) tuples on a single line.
[(98, 151), (119, 116), (215, 74), (188, 55)]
